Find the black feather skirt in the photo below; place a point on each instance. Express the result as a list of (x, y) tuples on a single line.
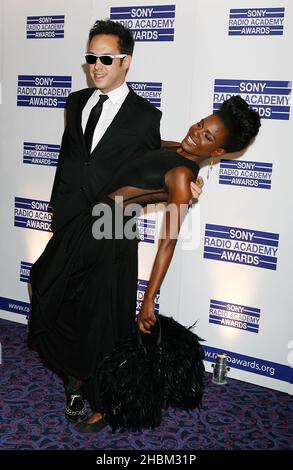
[(147, 373)]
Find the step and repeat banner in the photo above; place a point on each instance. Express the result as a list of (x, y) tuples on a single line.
[(231, 269)]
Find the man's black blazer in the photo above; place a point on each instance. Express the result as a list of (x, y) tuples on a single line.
[(80, 177)]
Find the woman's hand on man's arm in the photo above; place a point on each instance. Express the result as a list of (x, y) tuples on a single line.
[(196, 189)]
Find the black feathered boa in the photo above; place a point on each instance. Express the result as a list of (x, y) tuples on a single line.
[(147, 373)]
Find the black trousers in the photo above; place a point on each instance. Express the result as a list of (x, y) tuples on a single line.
[(94, 282)]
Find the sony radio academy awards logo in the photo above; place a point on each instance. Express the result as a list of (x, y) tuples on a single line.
[(245, 173), (147, 23), (45, 27), (32, 214), (233, 315), (146, 229), (241, 246), (25, 269), (141, 288), (270, 98), (152, 91), (36, 153), (256, 22), (43, 91)]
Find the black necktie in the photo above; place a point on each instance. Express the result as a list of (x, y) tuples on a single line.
[(92, 121)]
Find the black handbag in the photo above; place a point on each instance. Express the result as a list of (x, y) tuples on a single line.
[(147, 373)]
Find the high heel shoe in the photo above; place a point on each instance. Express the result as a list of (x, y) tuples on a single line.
[(94, 427)]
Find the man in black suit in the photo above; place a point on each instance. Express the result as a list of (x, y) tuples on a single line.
[(94, 146), (106, 127), (128, 125)]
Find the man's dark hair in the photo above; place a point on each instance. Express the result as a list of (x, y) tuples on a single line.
[(125, 38), (242, 122)]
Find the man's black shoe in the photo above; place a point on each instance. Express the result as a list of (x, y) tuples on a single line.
[(75, 410)]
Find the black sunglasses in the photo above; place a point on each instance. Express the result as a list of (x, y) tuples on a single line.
[(106, 59)]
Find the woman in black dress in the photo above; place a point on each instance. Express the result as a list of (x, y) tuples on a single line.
[(84, 286)]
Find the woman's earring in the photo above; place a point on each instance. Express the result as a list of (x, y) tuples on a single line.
[(210, 168)]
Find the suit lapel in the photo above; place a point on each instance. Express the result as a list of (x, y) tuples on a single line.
[(81, 104)]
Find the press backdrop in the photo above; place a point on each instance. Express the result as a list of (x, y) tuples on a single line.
[(232, 268)]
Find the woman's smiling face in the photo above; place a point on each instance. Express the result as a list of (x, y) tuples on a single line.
[(206, 137)]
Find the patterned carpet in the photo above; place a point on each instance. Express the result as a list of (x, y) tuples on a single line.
[(235, 416)]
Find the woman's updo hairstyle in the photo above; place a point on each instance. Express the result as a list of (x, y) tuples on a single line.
[(242, 122)]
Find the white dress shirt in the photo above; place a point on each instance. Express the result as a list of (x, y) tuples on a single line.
[(110, 109)]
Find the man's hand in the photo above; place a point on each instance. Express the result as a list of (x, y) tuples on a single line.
[(196, 189)]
